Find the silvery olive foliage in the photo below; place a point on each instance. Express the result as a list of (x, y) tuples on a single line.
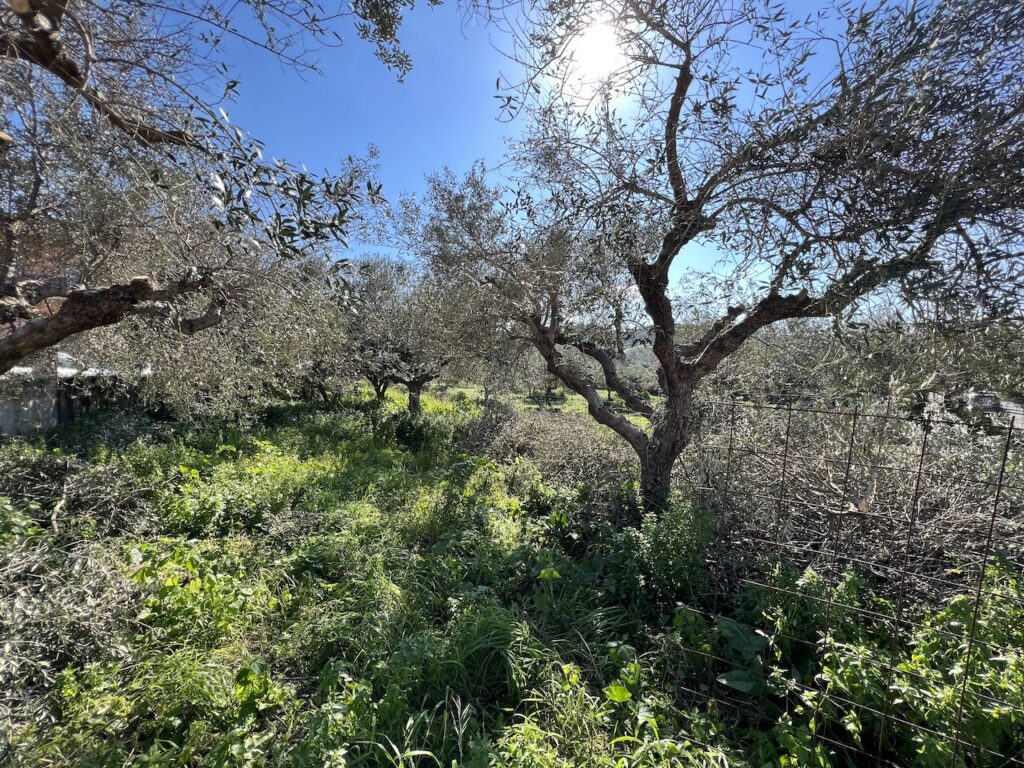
[(826, 162), (407, 326), (128, 190)]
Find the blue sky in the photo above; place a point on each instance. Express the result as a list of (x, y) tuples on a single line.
[(444, 113)]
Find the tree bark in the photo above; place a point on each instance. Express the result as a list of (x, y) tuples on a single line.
[(415, 389), (671, 433), (655, 482), (620, 342), (88, 308), (380, 388)]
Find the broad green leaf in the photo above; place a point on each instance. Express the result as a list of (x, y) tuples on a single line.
[(741, 639), (741, 680), (618, 693)]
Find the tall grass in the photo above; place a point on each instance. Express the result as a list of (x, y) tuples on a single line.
[(348, 588)]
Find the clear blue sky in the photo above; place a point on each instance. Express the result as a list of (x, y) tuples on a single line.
[(444, 113)]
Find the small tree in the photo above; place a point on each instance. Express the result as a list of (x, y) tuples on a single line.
[(398, 327), (874, 152)]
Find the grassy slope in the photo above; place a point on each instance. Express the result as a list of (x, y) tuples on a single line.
[(348, 589)]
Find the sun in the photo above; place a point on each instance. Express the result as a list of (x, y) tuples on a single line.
[(595, 53)]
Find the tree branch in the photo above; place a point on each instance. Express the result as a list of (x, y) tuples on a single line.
[(675, 174), (864, 277), (652, 284), (611, 377), (212, 316), (41, 45), (88, 308), (544, 340)]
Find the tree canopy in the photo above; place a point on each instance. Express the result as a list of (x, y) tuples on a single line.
[(115, 138), (826, 161)]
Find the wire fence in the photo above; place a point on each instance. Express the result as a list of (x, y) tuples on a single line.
[(919, 508)]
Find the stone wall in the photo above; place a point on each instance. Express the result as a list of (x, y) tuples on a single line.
[(32, 402)]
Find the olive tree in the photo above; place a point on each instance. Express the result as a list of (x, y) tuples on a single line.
[(114, 138), (402, 326), (823, 162)]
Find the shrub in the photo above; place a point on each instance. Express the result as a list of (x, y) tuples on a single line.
[(674, 545), (197, 597), (185, 708), (928, 688), (60, 606)]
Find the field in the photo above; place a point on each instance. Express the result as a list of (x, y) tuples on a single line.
[(358, 587)]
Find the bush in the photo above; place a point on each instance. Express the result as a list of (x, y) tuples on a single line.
[(928, 688), (567, 450), (182, 708), (674, 545), (198, 598), (60, 607)]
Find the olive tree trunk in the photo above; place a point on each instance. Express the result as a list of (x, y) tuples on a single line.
[(380, 388), (415, 389)]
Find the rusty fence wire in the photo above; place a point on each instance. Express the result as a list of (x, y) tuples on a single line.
[(921, 509)]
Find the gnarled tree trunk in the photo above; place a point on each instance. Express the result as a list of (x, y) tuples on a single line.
[(415, 389), (656, 465)]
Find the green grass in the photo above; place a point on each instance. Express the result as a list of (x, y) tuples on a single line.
[(346, 588), (570, 403)]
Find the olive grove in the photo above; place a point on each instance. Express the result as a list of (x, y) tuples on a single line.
[(823, 164)]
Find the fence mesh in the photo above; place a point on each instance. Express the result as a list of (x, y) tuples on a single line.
[(919, 508)]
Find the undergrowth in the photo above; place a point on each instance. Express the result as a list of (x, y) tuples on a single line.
[(348, 588)]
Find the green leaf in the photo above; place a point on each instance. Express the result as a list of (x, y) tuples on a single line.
[(747, 643), (618, 693), (548, 574), (740, 680)]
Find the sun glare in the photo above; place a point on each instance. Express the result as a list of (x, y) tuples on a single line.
[(595, 53)]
